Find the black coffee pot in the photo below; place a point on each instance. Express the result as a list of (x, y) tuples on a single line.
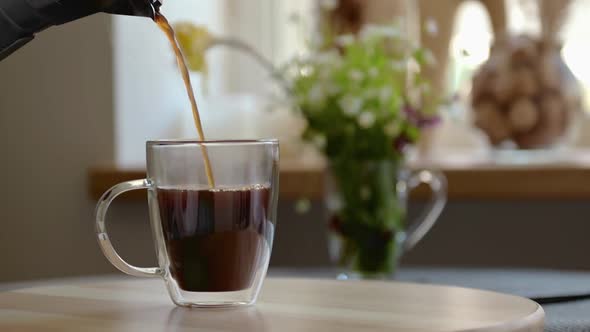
[(20, 20)]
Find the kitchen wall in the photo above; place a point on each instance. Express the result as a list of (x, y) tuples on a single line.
[(544, 234), (56, 120)]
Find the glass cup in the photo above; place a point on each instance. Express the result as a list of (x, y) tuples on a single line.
[(213, 244)]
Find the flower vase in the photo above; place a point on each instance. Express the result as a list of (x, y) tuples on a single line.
[(367, 204)]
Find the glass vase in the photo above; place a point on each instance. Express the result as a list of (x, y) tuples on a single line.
[(525, 97), (367, 206)]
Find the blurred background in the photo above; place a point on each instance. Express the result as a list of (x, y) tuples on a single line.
[(87, 95)]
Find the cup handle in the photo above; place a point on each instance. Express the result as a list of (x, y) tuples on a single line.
[(438, 184), (103, 238)]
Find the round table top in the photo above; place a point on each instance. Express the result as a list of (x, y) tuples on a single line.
[(284, 305)]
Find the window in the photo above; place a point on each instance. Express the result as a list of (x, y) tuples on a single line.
[(150, 100), (470, 44), (469, 48), (149, 97), (575, 50)]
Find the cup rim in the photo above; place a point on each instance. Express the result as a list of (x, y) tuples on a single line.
[(169, 142)]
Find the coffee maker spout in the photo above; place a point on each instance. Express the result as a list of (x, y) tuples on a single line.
[(146, 8), (21, 20)]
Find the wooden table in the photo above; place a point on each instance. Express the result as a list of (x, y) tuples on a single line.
[(285, 305)]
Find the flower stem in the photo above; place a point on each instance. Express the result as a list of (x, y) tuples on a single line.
[(266, 63)]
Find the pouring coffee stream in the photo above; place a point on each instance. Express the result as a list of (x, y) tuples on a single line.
[(163, 24), (21, 20)]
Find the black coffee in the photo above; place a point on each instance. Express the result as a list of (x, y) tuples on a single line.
[(218, 239)]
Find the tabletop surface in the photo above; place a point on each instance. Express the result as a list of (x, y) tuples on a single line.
[(284, 305)]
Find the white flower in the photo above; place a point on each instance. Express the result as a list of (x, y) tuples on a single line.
[(371, 93), (327, 57), (429, 58), (351, 106), (302, 206), (319, 141), (373, 72), (385, 94), (412, 65), (333, 89), (365, 193), (431, 27), (368, 31), (316, 94), (329, 4), (334, 203), (356, 75), (392, 129), (398, 65), (345, 40), (366, 119), (305, 71), (372, 30)]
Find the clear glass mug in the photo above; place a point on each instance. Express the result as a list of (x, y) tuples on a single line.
[(213, 245)]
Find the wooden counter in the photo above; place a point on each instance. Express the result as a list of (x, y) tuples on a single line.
[(470, 176)]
